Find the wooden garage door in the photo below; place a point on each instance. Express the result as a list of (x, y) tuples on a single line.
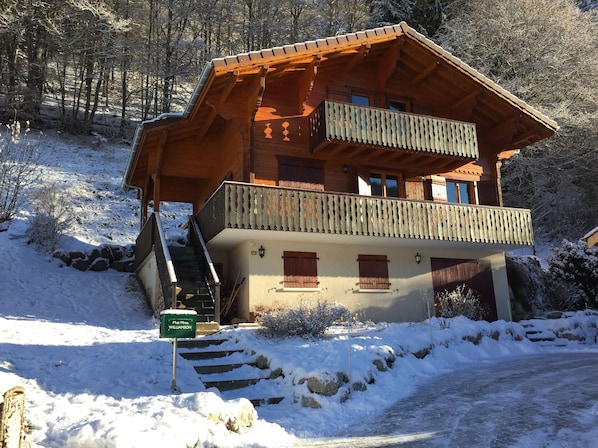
[(448, 273)]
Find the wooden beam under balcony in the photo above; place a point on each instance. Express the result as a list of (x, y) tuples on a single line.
[(259, 207), (375, 127)]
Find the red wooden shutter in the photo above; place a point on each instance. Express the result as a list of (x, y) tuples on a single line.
[(373, 272), (300, 269)]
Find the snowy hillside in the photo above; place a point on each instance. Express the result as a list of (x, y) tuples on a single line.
[(85, 346)]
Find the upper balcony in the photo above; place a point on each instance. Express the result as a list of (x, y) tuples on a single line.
[(383, 128), (260, 207)]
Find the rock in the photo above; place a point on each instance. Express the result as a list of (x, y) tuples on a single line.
[(236, 414), (94, 254), (82, 264), (380, 365), (359, 386), (63, 256), (310, 402), (77, 254), (328, 387), (554, 315), (100, 264), (123, 265), (262, 362)]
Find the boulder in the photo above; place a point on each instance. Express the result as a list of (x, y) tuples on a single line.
[(82, 264), (100, 264)]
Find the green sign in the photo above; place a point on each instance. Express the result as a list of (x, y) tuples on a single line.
[(178, 324)]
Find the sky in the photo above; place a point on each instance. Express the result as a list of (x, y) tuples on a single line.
[(87, 350)]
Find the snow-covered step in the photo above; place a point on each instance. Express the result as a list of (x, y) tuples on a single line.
[(264, 392)]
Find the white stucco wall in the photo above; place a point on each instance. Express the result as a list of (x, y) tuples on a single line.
[(407, 299)]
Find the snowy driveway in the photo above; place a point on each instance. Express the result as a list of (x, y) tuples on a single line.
[(548, 400)]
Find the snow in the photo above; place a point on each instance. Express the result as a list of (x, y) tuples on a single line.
[(86, 348)]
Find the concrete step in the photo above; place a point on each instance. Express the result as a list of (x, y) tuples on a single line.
[(208, 354), (221, 362), (219, 368)]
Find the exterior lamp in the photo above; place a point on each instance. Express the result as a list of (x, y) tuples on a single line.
[(261, 251), (345, 168), (418, 258)]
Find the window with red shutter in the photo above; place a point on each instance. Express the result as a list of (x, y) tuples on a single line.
[(300, 269), (373, 272)]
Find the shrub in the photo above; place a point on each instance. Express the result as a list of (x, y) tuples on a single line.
[(573, 268), (460, 302), (18, 158), (51, 219), (305, 320)]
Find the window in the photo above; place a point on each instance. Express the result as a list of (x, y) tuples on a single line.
[(361, 99), (373, 272), (302, 173), (386, 185), (397, 106), (460, 192), (300, 269)]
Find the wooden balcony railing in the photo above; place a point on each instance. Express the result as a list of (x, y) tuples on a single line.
[(386, 128), (259, 207)]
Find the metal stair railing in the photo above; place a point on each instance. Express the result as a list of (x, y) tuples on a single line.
[(203, 256)]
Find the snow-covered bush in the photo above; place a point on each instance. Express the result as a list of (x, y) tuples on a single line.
[(51, 219), (459, 302), (18, 159), (305, 320), (574, 276)]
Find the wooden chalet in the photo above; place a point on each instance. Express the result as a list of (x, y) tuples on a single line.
[(362, 169)]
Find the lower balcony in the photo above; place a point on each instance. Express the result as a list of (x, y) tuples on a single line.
[(259, 207)]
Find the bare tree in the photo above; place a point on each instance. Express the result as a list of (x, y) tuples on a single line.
[(546, 52)]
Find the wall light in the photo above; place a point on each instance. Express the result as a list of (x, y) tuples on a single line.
[(418, 258), (261, 251), (345, 168)]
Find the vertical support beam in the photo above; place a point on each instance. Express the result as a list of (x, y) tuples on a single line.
[(260, 86), (12, 418), (156, 179)]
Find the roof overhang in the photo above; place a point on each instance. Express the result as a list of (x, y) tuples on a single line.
[(215, 98)]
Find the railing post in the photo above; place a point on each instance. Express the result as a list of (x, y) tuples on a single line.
[(12, 415)]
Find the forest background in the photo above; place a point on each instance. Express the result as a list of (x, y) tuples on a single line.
[(102, 66)]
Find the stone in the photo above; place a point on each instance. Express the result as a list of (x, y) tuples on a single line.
[(359, 386), (262, 362), (123, 265), (77, 254), (240, 414), (554, 315), (310, 402), (380, 365), (100, 264), (63, 256), (94, 254), (82, 264), (328, 387)]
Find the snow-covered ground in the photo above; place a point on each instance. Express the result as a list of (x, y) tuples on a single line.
[(87, 350)]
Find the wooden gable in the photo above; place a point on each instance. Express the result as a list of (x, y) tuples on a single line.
[(263, 98)]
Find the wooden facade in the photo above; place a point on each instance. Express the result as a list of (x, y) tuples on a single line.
[(376, 134)]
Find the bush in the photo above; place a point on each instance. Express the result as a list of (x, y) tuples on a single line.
[(460, 302), (52, 217), (573, 268), (306, 320), (18, 158)]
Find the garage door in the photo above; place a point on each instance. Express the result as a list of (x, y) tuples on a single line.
[(448, 273)]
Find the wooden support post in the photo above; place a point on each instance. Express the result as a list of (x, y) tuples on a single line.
[(12, 417)]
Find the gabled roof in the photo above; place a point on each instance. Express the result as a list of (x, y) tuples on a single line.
[(404, 52)]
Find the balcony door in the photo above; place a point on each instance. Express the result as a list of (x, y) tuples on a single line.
[(448, 273), (297, 172)]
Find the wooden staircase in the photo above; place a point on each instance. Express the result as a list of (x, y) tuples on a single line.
[(194, 293), (223, 363)]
